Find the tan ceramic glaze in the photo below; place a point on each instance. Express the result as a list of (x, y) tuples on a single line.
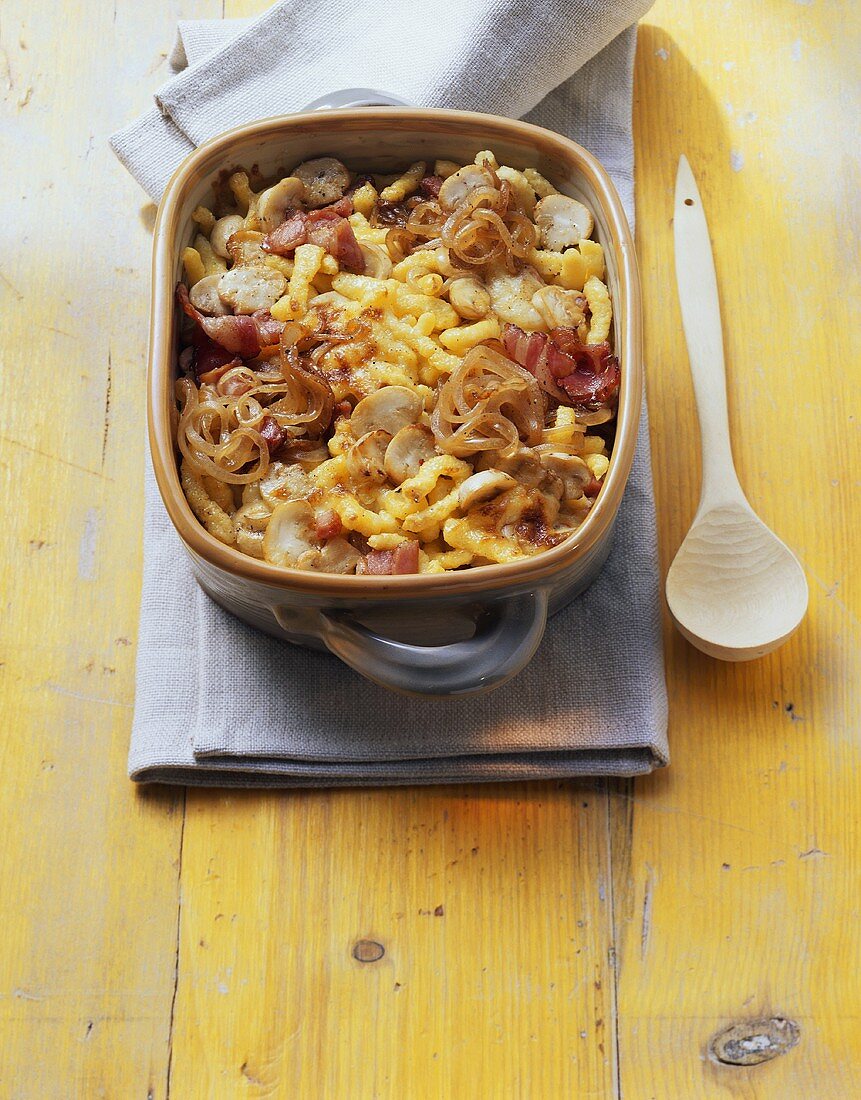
[(445, 634)]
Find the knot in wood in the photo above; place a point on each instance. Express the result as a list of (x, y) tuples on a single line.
[(368, 951), (752, 1042)]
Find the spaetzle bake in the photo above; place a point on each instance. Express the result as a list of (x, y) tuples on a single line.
[(406, 374)]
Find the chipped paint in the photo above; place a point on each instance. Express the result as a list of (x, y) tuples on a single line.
[(736, 159), (795, 50), (663, 54)]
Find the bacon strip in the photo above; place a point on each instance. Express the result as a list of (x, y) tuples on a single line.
[(338, 239), (386, 563), (268, 329), (327, 524), (273, 433), (429, 187), (242, 336), (287, 237), (211, 377), (210, 360), (592, 488), (327, 227), (572, 372)]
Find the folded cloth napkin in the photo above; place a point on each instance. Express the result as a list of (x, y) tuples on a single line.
[(220, 704)]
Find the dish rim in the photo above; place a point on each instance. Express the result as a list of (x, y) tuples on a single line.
[(167, 238)]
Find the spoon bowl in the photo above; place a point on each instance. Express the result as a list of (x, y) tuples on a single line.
[(735, 591)]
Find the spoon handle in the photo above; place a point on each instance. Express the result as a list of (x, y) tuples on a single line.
[(698, 296)]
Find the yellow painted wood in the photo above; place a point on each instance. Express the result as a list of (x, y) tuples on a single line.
[(492, 906), (587, 946), (88, 868), (737, 882)]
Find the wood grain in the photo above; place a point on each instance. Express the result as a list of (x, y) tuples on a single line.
[(538, 940), (89, 879), (492, 906), (738, 882)]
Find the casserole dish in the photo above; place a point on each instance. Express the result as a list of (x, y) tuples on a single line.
[(425, 634)]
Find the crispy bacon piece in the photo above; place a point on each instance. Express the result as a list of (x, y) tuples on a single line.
[(429, 187), (343, 208), (242, 336), (268, 329), (338, 239), (327, 227), (592, 488), (406, 558), (524, 348), (273, 433), (327, 524), (572, 372), (208, 359), (287, 237), (392, 214), (212, 376), (386, 563)]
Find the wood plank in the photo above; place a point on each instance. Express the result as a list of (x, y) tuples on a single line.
[(490, 903), (88, 866), (736, 871)]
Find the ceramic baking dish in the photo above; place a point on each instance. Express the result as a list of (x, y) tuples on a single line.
[(448, 634)]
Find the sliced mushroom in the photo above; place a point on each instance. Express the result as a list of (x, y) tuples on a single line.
[(562, 221), (278, 201), (511, 296), (483, 486), (409, 448), (251, 492), (469, 298), (366, 457), (283, 482), (204, 296), (391, 408), (250, 522), (244, 247), (571, 470), (290, 533), (378, 264), (222, 231), (250, 287), (325, 180), (560, 308), (461, 182), (336, 556), (523, 466)]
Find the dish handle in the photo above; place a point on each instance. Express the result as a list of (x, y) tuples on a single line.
[(507, 634), (354, 97)]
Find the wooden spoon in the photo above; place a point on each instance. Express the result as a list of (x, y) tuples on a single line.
[(735, 590)]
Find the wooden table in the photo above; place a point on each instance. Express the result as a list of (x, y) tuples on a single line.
[(541, 940)]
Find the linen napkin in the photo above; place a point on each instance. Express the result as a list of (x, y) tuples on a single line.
[(220, 704)]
